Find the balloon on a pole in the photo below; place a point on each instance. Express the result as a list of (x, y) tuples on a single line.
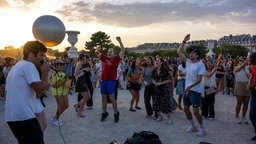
[(49, 30)]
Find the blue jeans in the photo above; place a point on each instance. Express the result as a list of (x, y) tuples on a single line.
[(252, 111)]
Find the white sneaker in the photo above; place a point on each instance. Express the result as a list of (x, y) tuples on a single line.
[(211, 119), (201, 132), (238, 120), (244, 120), (169, 121), (54, 118), (57, 123), (191, 129), (158, 119)]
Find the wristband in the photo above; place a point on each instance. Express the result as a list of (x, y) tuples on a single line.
[(184, 42)]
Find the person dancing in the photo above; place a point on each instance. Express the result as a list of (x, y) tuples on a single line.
[(133, 79), (193, 86), (59, 91), (109, 72), (163, 100), (81, 86)]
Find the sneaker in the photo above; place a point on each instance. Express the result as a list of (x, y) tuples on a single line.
[(211, 119), (169, 121), (104, 116), (238, 120), (54, 118), (159, 118), (201, 132), (57, 122), (148, 116), (191, 129), (116, 119), (244, 120)]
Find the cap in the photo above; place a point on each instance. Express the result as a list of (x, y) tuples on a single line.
[(57, 61), (241, 58), (197, 52)]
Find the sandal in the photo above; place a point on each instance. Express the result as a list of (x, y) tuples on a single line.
[(80, 114), (132, 110), (76, 107)]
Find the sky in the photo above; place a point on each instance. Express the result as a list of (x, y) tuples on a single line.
[(135, 21)]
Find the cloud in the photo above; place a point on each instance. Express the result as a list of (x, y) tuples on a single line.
[(138, 14), (18, 4), (4, 4)]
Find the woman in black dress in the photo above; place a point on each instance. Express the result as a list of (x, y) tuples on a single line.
[(163, 100)]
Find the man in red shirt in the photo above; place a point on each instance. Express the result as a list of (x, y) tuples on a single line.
[(109, 71)]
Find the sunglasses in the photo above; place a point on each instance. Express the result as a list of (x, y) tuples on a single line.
[(60, 64)]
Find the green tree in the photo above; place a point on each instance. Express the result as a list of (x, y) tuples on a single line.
[(233, 50), (100, 40)]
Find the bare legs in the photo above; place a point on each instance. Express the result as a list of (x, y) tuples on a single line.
[(136, 98), (195, 112), (219, 85), (113, 101), (179, 102), (80, 105), (242, 100), (62, 105), (41, 120)]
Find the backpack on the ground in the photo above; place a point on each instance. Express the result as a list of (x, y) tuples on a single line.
[(144, 137)]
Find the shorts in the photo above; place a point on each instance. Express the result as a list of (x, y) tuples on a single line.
[(180, 87), (134, 86), (81, 85), (108, 87), (240, 89), (192, 98)]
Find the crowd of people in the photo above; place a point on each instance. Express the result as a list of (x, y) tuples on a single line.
[(197, 81)]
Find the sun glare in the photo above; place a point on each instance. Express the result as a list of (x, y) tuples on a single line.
[(15, 28)]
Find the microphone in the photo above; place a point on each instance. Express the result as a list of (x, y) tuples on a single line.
[(53, 68)]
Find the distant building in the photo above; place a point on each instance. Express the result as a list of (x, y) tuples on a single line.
[(245, 40)]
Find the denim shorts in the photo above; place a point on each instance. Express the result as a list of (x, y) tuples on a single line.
[(192, 98), (108, 87)]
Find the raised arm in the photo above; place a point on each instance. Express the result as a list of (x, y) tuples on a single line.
[(121, 54), (180, 49)]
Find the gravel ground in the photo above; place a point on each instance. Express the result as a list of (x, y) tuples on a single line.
[(89, 130)]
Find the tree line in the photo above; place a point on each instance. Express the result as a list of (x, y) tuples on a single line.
[(102, 40)]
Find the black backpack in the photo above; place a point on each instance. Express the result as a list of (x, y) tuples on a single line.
[(144, 137)]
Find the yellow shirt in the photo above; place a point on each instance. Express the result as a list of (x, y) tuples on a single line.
[(62, 90)]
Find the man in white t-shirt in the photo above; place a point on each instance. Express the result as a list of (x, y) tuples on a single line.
[(23, 86), (195, 70)]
